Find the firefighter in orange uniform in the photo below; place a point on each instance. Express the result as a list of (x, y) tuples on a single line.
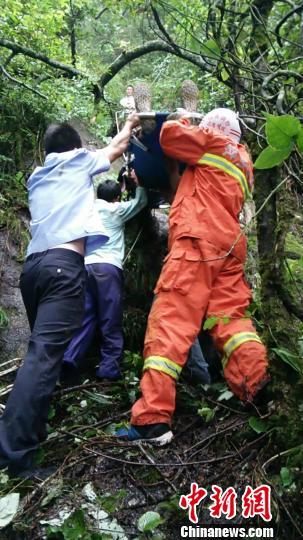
[(203, 273)]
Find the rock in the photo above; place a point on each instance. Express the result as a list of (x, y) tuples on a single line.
[(13, 338)]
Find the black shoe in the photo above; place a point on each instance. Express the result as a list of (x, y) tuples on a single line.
[(69, 375), (35, 473)]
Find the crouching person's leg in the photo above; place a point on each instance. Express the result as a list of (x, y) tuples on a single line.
[(196, 368)]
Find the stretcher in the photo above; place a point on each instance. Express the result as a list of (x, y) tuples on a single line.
[(148, 157)]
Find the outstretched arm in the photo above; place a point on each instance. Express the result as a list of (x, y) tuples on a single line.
[(183, 142), (120, 142), (129, 209)]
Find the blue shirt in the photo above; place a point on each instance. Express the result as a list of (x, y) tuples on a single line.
[(61, 199), (114, 217)]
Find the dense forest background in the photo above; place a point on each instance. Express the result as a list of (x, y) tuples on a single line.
[(72, 60)]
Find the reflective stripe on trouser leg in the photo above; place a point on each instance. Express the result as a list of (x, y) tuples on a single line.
[(235, 341), (160, 363), (157, 402)]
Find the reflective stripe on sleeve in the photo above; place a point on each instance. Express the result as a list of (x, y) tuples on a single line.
[(160, 363), (235, 341), (229, 168)]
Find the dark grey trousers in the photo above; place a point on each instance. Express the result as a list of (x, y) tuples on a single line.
[(52, 286)]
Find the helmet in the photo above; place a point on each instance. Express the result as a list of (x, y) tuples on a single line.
[(225, 121)]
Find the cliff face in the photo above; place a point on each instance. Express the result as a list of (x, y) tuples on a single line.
[(14, 336)]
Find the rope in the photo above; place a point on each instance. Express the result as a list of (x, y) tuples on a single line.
[(133, 245)]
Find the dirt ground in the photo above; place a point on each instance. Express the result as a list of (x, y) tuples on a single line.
[(109, 484)]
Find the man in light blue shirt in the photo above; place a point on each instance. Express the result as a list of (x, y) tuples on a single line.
[(61, 203), (104, 285)]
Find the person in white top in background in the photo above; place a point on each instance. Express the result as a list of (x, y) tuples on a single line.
[(128, 101)]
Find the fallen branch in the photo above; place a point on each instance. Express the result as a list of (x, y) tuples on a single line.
[(213, 436), (150, 459), (75, 433), (144, 464), (80, 387), (9, 362), (15, 367), (6, 390), (280, 454), (279, 498)]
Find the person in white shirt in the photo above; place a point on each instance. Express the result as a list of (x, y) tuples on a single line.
[(128, 101), (104, 285), (61, 204)]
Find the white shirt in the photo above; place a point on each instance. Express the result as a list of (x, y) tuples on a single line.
[(128, 103), (61, 199), (114, 216)]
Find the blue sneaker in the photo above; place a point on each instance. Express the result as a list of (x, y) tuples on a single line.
[(155, 434)]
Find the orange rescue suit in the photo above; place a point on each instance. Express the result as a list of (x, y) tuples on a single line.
[(203, 274)]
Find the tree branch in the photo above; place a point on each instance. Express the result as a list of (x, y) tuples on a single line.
[(279, 73), (20, 49), (163, 29), (122, 60), (289, 302), (103, 10), (21, 83), (152, 46), (9, 58), (69, 70), (296, 9)]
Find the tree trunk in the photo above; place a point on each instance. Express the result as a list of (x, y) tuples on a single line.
[(279, 324)]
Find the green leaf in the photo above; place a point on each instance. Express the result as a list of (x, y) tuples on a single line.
[(39, 456), (211, 49), (73, 528), (51, 413), (4, 478), (210, 323), (286, 477), (226, 395), (110, 502), (102, 399), (299, 139), (290, 359), (258, 425), (149, 521), (8, 508), (53, 492), (206, 413), (280, 130), (270, 157), (224, 74)]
